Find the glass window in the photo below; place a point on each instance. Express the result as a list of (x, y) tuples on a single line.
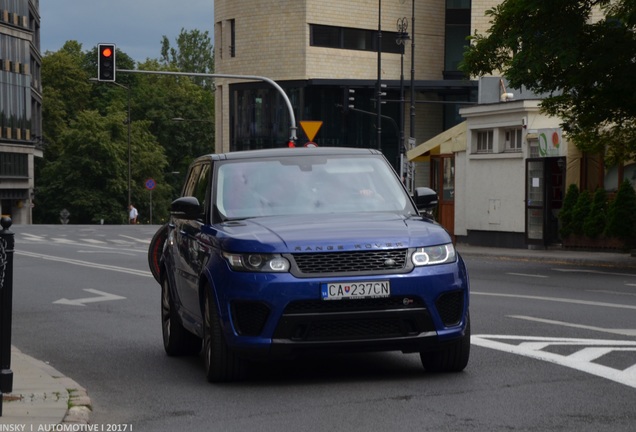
[(352, 38), (308, 185), (14, 165), (484, 141), (513, 138)]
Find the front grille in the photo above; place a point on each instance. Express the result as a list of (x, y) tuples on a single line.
[(249, 317), (351, 262), (450, 307)]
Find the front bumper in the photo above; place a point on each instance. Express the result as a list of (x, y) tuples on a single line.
[(281, 315)]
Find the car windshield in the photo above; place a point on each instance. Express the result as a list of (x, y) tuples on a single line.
[(308, 185)]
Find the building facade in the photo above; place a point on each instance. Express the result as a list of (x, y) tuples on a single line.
[(326, 52), (20, 106)]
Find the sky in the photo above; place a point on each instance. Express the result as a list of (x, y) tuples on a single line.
[(135, 26)]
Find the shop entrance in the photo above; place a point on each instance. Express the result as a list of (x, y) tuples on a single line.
[(545, 189), (443, 182)]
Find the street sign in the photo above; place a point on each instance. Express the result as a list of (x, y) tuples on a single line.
[(150, 184), (311, 128)]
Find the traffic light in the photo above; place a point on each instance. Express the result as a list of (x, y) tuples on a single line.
[(106, 62)]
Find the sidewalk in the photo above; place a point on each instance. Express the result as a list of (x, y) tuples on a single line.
[(556, 256), (43, 396)]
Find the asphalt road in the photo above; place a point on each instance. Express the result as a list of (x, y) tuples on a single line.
[(554, 349)]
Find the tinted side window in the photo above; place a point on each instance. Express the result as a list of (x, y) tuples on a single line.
[(197, 183), (202, 185), (191, 181)]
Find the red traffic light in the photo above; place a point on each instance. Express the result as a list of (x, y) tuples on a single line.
[(106, 67)]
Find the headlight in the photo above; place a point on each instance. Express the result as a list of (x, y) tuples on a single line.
[(250, 262), (432, 255)]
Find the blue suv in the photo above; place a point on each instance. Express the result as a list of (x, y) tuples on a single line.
[(274, 253)]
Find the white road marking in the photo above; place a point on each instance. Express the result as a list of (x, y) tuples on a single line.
[(94, 241), (86, 264), (556, 299), (105, 251), (528, 275), (564, 270), (101, 297), (143, 240), (532, 347), (614, 292), (622, 332)]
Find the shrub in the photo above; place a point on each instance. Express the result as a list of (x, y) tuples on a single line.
[(581, 211), (565, 215), (594, 223), (621, 215)]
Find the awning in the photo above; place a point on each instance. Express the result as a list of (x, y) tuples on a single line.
[(452, 140)]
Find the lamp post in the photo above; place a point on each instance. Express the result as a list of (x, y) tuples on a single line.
[(402, 38)]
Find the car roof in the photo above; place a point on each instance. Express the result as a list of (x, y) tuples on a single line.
[(295, 151)]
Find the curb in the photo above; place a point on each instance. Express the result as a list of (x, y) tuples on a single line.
[(80, 406)]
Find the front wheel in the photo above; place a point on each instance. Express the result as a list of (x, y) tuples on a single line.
[(221, 364), (177, 341), (450, 358)]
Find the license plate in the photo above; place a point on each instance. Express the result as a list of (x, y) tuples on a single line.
[(355, 290)]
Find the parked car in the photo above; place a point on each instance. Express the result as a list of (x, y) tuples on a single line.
[(274, 253)]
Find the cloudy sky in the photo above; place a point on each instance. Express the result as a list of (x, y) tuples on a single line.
[(135, 26)]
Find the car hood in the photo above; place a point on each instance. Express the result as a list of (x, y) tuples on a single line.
[(320, 233)]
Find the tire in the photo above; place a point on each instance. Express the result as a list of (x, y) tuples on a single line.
[(450, 358), (221, 364), (155, 249), (177, 341)]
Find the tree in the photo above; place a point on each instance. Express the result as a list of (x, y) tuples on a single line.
[(85, 164), (594, 223), (621, 217), (182, 115), (89, 178), (581, 211), (585, 66), (194, 52), (565, 215)]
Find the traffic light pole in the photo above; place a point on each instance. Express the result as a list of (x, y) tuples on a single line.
[(292, 117)]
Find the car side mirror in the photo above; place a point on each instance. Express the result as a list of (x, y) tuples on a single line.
[(425, 198), (186, 208)]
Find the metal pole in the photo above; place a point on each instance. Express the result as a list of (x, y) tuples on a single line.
[(402, 26), (412, 122), (7, 243), (128, 122), (292, 116), (129, 157), (412, 125), (379, 85)]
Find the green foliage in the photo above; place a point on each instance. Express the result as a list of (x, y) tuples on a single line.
[(581, 211), (565, 215), (86, 128), (594, 223), (621, 218), (584, 66), (194, 52)]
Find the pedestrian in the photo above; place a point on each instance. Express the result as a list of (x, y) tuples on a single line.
[(132, 214)]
